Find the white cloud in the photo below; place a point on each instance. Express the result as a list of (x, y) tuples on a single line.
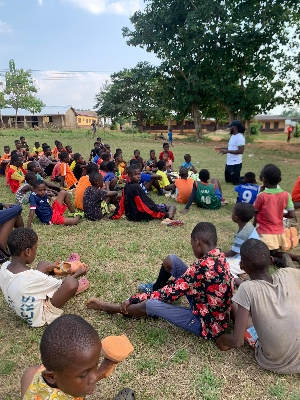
[(78, 89), (40, 2), (123, 7), (5, 27)]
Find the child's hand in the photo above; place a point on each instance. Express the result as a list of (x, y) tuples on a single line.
[(82, 270), (123, 307), (221, 346)]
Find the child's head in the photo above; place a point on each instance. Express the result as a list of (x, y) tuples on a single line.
[(166, 146), (78, 158), (39, 187), (34, 167), (17, 144), (90, 168), (36, 144), (96, 179), (243, 212), (261, 172), (22, 139), (103, 166), (30, 177), (118, 151), (47, 151), (56, 142), (136, 153), (99, 140), (111, 166), (152, 154), (249, 177), (105, 157), (69, 149), (204, 175), (64, 157), (136, 163), (165, 156), (271, 176), (96, 145), (134, 173), (161, 165), (255, 256), (16, 160), (59, 146), (73, 367), (187, 158), (183, 172), (6, 149), (118, 158), (23, 242), (203, 238)]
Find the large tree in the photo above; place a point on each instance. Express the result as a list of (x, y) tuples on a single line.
[(222, 52), (129, 94), (20, 89)]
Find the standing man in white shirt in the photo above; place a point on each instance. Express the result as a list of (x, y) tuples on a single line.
[(235, 150)]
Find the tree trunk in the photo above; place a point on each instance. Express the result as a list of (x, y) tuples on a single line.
[(197, 121), (140, 121), (169, 124), (16, 120), (181, 126), (248, 128)]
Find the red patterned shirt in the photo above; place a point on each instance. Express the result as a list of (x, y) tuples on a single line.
[(209, 282)]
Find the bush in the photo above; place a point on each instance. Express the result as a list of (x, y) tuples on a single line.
[(255, 128), (297, 131)]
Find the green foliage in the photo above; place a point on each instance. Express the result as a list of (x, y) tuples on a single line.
[(6, 367), (291, 113), (297, 130), (180, 356), (156, 336), (208, 385), (19, 90), (255, 128)]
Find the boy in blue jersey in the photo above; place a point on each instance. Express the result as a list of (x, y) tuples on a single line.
[(248, 191)]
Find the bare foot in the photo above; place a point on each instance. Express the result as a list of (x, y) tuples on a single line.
[(96, 304)]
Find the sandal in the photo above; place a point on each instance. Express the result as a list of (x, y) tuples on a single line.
[(170, 222), (83, 284), (125, 394), (4, 255)]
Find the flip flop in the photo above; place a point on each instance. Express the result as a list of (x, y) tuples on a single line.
[(175, 222), (83, 284), (74, 257), (125, 394)]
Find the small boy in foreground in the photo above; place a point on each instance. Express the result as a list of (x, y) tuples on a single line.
[(266, 312), (32, 293), (207, 285), (247, 191), (70, 351)]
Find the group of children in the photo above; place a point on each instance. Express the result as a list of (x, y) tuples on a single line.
[(263, 307)]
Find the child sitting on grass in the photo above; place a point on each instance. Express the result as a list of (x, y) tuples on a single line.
[(269, 207), (242, 214), (83, 183), (248, 191), (137, 156), (80, 165), (266, 312), (25, 190), (151, 163), (207, 284), (32, 293), (67, 178), (148, 179), (165, 182), (183, 186), (135, 203), (94, 195), (70, 350), (205, 194), (39, 205), (188, 163), (16, 173), (110, 178)]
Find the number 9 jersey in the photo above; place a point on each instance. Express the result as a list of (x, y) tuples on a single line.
[(247, 193)]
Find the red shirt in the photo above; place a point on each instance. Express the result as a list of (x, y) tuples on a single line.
[(15, 177), (296, 190), (171, 155)]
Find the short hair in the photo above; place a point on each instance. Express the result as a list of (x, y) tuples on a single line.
[(244, 211), (15, 152), (22, 137), (6, 147), (135, 162), (36, 143), (206, 232), (250, 177), (136, 151), (105, 156), (63, 155), (64, 340), (30, 176), (186, 156), (165, 144), (99, 138), (94, 178), (46, 148), (76, 156), (204, 175), (151, 151), (21, 239), (255, 255), (15, 157), (103, 166), (133, 167), (37, 183), (68, 147), (31, 165), (96, 143), (183, 171), (56, 142), (161, 164), (111, 166), (91, 167), (45, 145), (272, 175), (118, 150)]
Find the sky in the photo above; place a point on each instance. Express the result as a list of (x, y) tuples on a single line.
[(52, 37)]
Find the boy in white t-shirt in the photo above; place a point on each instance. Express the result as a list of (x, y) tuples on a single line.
[(32, 293), (235, 150)]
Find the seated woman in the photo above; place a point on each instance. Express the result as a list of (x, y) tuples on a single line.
[(10, 218)]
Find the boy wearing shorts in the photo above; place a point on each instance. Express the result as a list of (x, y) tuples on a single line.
[(39, 205), (32, 293)]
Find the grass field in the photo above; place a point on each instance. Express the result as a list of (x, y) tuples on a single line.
[(167, 363)]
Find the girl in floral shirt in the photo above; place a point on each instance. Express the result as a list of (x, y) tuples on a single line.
[(207, 284)]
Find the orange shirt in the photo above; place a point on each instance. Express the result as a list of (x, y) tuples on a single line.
[(6, 156), (296, 190), (184, 187), (83, 183), (65, 171)]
